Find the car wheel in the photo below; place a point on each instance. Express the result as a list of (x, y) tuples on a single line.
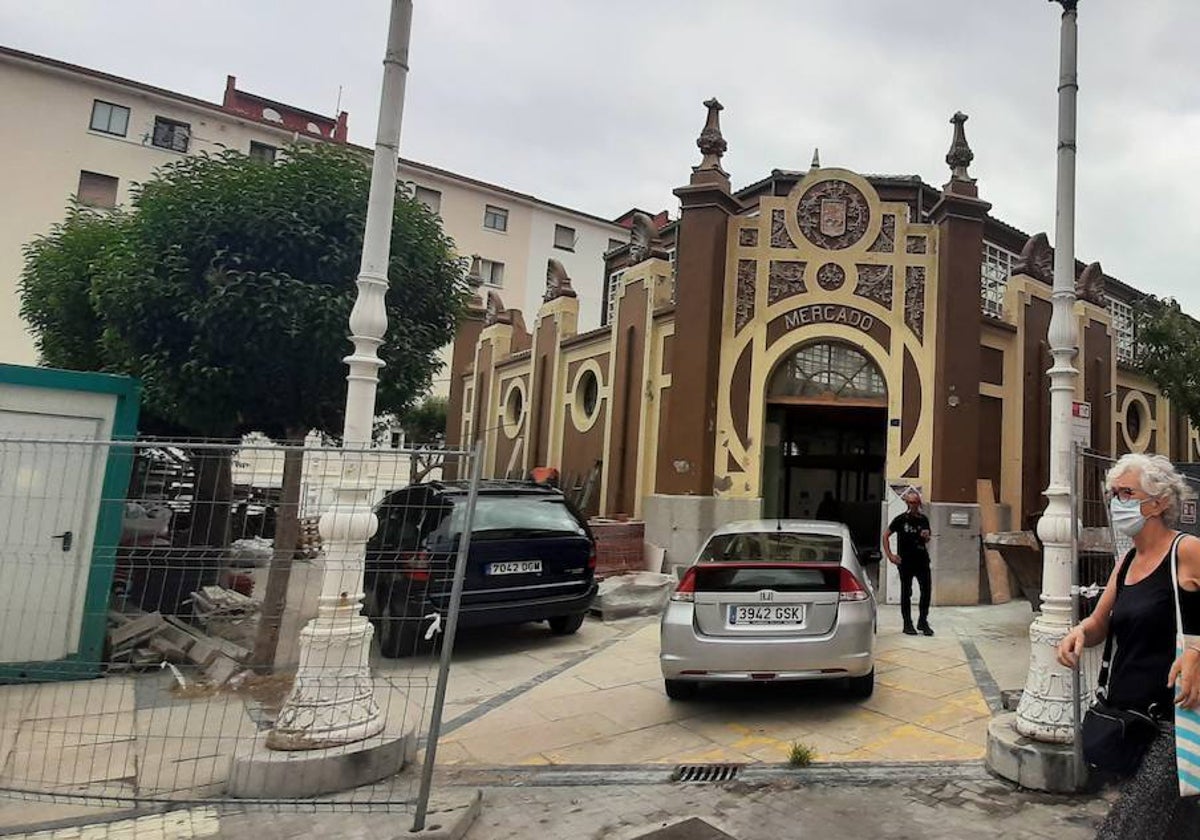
[(399, 635), (681, 689), (565, 625), (862, 687)]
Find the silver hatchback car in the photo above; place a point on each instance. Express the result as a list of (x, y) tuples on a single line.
[(771, 600)]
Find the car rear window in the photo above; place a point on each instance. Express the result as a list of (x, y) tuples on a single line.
[(497, 516), (714, 578), (773, 547)]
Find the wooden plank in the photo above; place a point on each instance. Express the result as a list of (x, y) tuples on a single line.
[(989, 520)]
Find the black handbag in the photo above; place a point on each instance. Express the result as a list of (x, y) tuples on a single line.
[(1115, 740)]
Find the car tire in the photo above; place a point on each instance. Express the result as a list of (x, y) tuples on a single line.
[(860, 688), (681, 689), (566, 625), (399, 634)]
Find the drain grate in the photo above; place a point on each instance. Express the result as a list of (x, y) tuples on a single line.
[(704, 773)]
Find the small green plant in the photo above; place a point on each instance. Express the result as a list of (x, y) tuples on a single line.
[(801, 755)]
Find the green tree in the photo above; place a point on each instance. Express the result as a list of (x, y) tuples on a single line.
[(425, 422), (1168, 351), (226, 288)]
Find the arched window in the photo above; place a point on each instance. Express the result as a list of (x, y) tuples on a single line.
[(828, 372)]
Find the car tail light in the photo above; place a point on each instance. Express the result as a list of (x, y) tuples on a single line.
[(686, 590), (592, 559), (850, 589), (417, 565)]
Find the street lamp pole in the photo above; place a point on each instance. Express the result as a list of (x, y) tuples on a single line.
[(333, 699), (1045, 710)]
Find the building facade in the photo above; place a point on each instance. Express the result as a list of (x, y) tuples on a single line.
[(91, 136), (817, 334)]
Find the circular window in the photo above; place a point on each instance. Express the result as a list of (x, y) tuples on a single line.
[(585, 401), (514, 409), (1134, 422)]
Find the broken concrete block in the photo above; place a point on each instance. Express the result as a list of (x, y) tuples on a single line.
[(643, 593), (135, 631), (221, 670)]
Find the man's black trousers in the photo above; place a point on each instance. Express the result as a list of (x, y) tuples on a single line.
[(919, 570)]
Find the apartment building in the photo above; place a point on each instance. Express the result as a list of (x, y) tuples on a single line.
[(89, 135)]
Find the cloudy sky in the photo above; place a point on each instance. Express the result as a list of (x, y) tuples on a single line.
[(596, 105)]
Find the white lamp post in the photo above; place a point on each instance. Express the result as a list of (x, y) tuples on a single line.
[(1045, 712), (333, 700)]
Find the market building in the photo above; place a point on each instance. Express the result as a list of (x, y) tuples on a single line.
[(818, 336)]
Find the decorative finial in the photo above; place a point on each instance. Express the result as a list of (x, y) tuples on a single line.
[(558, 283), (475, 283), (642, 234), (816, 161), (960, 155), (710, 142)]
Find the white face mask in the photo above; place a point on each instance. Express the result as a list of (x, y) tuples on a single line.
[(1126, 515)]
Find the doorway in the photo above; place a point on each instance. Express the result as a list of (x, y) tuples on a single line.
[(825, 453)]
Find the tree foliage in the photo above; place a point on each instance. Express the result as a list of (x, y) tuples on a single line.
[(1168, 351), (425, 422), (227, 285)]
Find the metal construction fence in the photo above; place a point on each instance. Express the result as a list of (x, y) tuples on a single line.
[(152, 595)]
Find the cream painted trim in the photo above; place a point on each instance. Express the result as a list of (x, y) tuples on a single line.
[(988, 389), (514, 426), (1149, 422), (580, 421), (659, 383), (1011, 397), (747, 481)]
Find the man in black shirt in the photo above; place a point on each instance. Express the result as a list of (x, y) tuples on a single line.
[(912, 537)]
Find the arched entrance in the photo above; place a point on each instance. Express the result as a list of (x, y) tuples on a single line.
[(826, 439)]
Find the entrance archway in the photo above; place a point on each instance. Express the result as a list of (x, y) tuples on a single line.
[(826, 439)]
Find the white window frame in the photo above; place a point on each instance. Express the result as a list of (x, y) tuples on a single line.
[(614, 285), (565, 233), (1124, 332), (492, 273), (430, 197), (495, 218), (994, 272)]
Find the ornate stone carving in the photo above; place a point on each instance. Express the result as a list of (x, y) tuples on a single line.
[(960, 155), (885, 242), (558, 284), (914, 300), (744, 304), (642, 238), (833, 215), (475, 284), (710, 142), (1090, 285), (780, 238), (496, 313), (1037, 259), (748, 237), (915, 245), (831, 277), (875, 283), (785, 278)]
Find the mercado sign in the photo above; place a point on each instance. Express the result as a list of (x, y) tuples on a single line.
[(828, 314)]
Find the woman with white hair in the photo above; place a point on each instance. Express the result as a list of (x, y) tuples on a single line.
[(1145, 494)]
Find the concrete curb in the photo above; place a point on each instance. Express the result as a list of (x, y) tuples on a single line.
[(450, 821)]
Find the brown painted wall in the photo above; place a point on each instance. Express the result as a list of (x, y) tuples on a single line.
[(991, 436), (626, 394), (582, 450), (957, 367), (461, 359), (991, 365), (1096, 367), (687, 458), (505, 445), (1035, 469)]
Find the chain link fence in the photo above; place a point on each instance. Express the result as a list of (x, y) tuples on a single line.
[(152, 595)]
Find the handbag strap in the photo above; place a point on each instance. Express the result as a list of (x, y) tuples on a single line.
[(1175, 583), (1106, 659)]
